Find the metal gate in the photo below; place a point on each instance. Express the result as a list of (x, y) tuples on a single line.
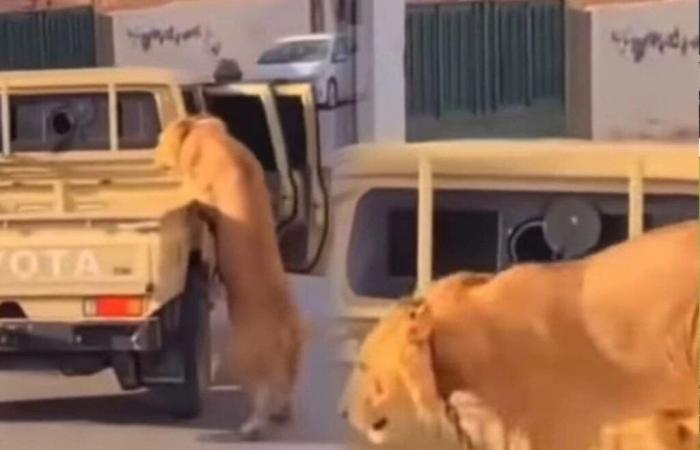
[(48, 39), (481, 56), (69, 36)]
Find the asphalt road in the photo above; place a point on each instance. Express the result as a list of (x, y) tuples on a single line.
[(337, 128), (43, 410)]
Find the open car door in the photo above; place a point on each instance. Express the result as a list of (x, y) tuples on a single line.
[(279, 124)]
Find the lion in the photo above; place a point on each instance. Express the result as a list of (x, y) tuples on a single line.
[(266, 328), (557, 350), (379, 397), (376, 400), (656, 432)]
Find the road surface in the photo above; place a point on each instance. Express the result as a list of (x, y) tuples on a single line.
[(337, 129), (43, 410)]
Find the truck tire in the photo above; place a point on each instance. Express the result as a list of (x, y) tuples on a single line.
[(192, 343)]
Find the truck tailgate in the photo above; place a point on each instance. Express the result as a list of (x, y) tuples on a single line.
[(37, 261), (86, 226)]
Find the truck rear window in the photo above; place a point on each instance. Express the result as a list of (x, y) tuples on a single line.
[(80, 121)]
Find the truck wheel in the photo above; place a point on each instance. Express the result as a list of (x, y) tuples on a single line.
[(192, 344)]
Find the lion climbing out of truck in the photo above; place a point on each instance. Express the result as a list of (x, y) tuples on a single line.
[(228, 181)]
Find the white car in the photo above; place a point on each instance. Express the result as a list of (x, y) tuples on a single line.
[(326, 60)]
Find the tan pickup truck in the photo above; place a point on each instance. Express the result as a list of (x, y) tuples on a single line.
[(103, 262)]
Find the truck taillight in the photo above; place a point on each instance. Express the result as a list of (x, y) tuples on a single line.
[(114, 306)]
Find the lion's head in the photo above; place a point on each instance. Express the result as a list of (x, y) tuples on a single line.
[(180, 149), (392, 384), (170, 142)]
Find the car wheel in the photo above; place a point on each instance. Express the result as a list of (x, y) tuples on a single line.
[(332, 94), (192, 345)]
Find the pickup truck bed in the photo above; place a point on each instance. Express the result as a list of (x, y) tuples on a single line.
[(71, 229)]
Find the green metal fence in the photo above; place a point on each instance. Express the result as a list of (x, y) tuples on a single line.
[(70, 38), (20, 47), (48, 39), (481, 56)]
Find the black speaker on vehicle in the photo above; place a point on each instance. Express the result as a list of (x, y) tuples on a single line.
[(572, 227)]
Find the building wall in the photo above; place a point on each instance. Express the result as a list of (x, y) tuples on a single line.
[(194, 36), (29, 5), (381, 108), (644, 70), (578, 73), (611, 93)]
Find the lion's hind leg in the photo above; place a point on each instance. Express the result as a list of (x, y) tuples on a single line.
[(262, 401)]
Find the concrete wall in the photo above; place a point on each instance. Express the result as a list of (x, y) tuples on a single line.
[(381, 108), (578, 73), (643, 70), (619, 83), (194, 36), (102, 5)]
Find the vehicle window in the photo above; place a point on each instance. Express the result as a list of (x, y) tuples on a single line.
[(352, 45), (291, 113), (340, 49), (349, 44), (80, 121), (296, 51), (476, 231), (244, 116)]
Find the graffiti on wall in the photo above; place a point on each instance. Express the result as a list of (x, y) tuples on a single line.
[(146, 39), (639, 45)]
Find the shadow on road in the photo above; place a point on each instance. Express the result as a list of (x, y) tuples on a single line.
[(95, 405), (138, 408), (224, 410)]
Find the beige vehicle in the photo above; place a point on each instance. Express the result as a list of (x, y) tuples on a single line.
[(405, 214), (103, 262)]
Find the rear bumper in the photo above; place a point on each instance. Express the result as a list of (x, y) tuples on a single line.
[(22, 336)]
